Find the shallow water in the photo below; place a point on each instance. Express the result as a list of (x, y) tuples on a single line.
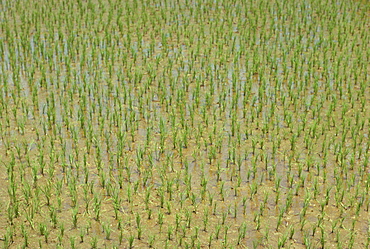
[(239, 121)]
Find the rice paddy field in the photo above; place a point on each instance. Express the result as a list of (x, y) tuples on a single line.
[(184, 124)]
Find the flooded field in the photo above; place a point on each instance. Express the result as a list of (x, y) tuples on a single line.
[(184, 124)]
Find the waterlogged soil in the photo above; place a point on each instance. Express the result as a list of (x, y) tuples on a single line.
[(233, 124)]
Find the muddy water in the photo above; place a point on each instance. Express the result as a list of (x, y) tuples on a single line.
[(187, 125)]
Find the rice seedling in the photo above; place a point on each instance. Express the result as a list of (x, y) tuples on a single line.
[(94, 242)]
